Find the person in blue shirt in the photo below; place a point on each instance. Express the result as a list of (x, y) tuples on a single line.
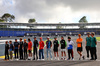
[(70, 44), (11, 50), (48, 46)]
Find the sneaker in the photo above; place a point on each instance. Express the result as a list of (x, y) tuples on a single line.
[(83, 58), (55, 58), (62, 58), (42, 59), (68, 59), (58, 58), (72, 58), (39, 59), (91, 59)]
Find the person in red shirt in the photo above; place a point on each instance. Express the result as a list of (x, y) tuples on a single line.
[(41, 49), (29, 49)]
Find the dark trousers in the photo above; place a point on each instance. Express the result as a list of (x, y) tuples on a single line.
[(6, 55), (35, 53), (25, 54), (16, 53), (70, 52), (88, 48), (93, 53), (21, 54), (41, 53)]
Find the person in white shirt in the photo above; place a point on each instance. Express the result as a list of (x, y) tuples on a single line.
[(70, 44)]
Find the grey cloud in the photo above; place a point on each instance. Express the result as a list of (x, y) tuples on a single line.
[(44, 9)]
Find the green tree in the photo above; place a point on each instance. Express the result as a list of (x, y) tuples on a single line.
[(83, 20), (8, 17), (31, 21), (2, 26)]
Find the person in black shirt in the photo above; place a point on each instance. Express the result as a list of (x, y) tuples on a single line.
[(16, 47), (35, 42), (21, 48), (56, 45), (63, 46), (6, 50), (25, 49)]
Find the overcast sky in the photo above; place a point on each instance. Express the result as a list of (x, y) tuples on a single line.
[(52, 11)]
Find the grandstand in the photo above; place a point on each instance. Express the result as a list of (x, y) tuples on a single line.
[(24, 30)]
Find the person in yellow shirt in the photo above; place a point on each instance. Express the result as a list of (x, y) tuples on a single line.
[(79, 46)]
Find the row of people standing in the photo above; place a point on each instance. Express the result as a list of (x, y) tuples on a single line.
[(21, 46)]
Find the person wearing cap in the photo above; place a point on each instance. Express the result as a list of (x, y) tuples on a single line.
[(88, 44), (48, 46), (41, 49), (70, 44), (29, 49), (79, 46), (25, 49), (63, 46), (56, 45), (16, 48), (93, 47), (35, 47)]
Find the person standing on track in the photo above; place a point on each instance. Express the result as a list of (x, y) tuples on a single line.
[(56, 45), (6, 50), (63, 46), (29, 49), (21, 49), (35, 45), (48, 46), (41, 49), (79, 46), (11, 50), (88, 44), (93, 47), (25, 49), (70, 44), (16, 47)]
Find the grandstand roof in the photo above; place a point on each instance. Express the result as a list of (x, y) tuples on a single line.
[(49, 24)]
